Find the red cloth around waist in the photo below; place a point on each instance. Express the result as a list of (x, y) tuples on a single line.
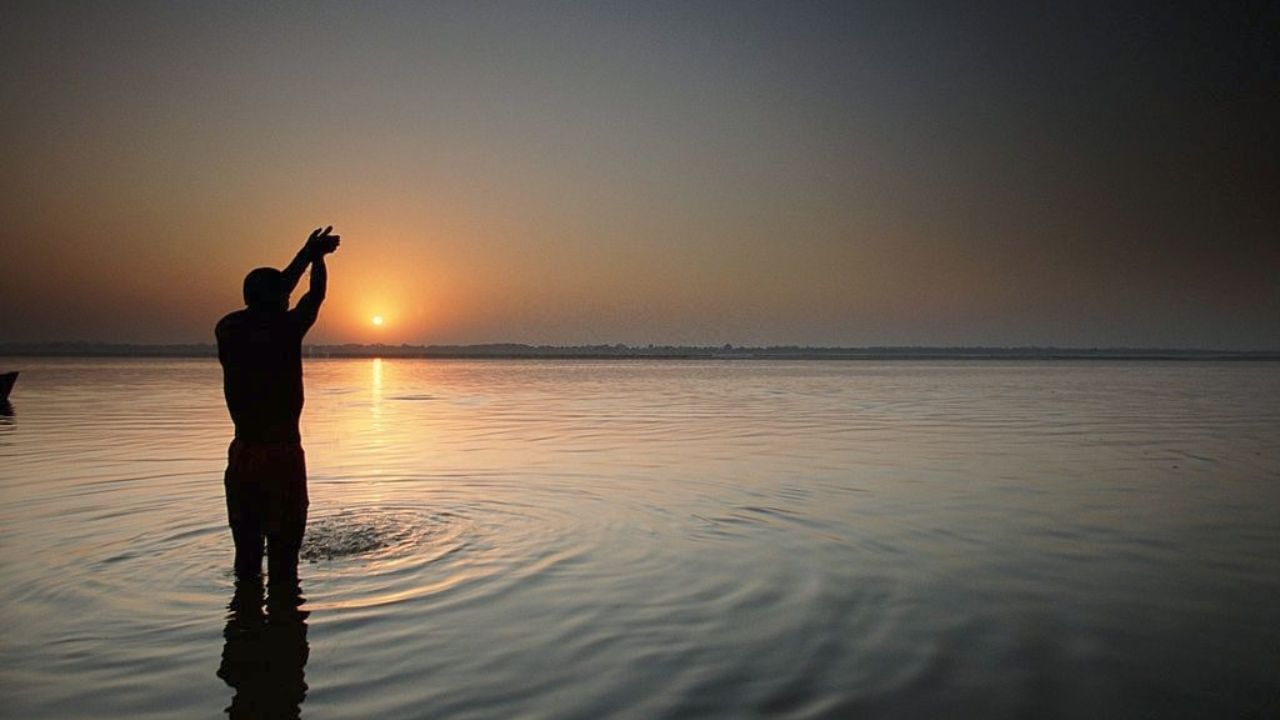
[(267, 483)]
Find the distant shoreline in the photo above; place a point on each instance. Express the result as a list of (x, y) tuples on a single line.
[(511, 351)]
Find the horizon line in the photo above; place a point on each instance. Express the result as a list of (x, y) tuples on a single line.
[(73, 348)]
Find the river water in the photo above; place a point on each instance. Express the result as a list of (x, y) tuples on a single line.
[(656, 539)]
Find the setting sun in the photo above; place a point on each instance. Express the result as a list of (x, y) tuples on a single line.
[(377, 320)]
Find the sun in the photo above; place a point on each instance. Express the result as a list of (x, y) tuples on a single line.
[(376, 320)]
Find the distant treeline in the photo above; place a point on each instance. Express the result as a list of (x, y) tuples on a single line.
[(774, 352)]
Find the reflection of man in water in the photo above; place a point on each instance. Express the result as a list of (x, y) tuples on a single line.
[(260, 349), (265, 654)]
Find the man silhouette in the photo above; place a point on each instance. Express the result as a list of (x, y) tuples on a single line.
[(260, 348)]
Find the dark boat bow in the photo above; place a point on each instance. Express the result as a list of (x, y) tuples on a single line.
[(6, 384)]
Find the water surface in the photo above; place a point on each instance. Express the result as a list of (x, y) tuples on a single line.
[(658, 539)]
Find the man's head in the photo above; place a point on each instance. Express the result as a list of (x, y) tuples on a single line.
[(264, 289)]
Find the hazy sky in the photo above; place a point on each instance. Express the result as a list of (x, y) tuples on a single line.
[(1068, 173)]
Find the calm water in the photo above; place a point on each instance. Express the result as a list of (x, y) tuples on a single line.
[(580, 539)]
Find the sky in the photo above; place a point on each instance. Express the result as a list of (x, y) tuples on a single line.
[(1080, 174)]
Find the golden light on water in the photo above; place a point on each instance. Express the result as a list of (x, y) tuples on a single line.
[(376, 368)]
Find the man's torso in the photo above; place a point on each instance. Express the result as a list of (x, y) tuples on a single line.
[(261, 356)]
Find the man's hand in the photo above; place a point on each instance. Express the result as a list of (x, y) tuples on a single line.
[(322, 242)]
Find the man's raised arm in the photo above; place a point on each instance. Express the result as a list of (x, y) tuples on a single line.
[(319, 243)]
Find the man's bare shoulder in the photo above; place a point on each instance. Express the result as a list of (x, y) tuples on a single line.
[(229, 323)]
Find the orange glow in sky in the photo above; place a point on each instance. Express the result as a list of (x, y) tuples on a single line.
[(789, 174)]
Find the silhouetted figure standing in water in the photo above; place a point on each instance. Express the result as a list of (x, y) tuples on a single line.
[(260, 348)]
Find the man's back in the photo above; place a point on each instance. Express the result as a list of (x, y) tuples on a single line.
[(261, 356)]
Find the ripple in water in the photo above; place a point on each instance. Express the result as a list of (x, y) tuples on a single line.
[(371, 533), (380, 534)]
